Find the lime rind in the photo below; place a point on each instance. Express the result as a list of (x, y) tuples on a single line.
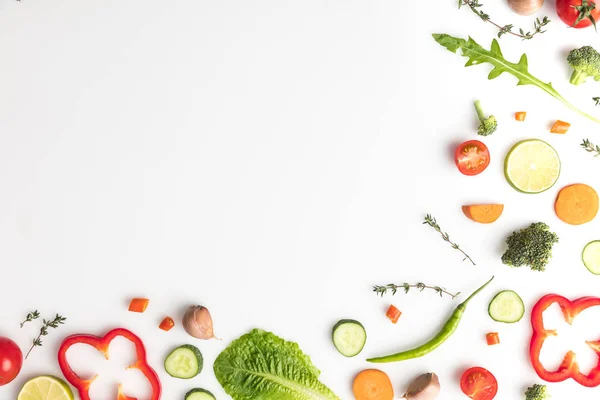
[(530, 154)]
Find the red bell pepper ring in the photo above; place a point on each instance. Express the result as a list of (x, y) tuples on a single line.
[(101, 344), (569, 367)]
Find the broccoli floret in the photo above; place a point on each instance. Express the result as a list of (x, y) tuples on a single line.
[(537, 392), (488, 124), (531, 247), (586, 63)]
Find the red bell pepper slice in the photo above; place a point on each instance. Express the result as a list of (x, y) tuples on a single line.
[(101, 344), (569, 367)]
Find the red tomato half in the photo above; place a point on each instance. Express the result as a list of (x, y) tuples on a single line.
[(479, 384), (11, 360), (568, 13), (472, 157)]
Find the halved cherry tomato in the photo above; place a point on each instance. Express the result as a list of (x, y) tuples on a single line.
[(479, 384), (11, 360), (472, 157), (570, 11)]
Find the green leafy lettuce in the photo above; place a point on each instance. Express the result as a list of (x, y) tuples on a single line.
[(263, 366), (479, 55)]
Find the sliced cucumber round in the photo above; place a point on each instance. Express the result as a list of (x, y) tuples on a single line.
[(349, 337), (507, 306), (199, 394), (591, 257), (185, 362)]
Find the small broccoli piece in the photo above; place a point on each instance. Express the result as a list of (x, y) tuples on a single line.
[(488, 124), (586, 63), (537, 392), (531, 247)]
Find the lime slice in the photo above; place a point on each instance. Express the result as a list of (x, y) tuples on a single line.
[(532, 166), (45, 388)]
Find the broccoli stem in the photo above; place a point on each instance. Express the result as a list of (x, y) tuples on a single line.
[(578, 77), (479, 110)]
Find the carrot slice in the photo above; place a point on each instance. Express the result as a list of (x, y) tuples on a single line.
[(560, 127), (492, 338), (576, 204), (483, 213), (138, 305), (393, 314), (373, 384), (520, 115)]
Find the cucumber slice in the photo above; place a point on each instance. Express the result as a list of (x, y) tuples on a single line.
[(591, 257), (199, 394), (184, 362), (349, 337), (507, 307)]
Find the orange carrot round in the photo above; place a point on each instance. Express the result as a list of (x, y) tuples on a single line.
[(373, 384), (576, 204), (483, 213)]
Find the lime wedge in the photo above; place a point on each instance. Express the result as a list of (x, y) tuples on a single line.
[(45, 388), (532, 166)]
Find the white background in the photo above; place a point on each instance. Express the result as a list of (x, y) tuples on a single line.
[(272, 160)]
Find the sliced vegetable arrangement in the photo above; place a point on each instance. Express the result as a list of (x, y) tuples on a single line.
[(261, 365)]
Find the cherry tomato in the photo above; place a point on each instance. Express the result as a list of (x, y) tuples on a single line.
[(11, 360), (571, 10), (472, 157), (479, 384)]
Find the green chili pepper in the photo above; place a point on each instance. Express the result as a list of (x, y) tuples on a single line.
[(446, 331)]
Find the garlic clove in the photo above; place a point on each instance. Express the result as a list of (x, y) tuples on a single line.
[(198, 323), (424, 387), (525, 7)]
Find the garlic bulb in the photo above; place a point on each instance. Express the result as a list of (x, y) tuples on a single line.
[(198, 323), (425, 387), (525, 7)]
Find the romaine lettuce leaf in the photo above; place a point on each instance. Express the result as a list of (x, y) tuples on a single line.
[(263, 366)]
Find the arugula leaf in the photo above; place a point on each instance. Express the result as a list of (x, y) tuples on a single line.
[(261, 365), (479, 55)]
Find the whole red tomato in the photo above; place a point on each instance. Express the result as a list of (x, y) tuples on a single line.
[(11, 360), (578, 13)]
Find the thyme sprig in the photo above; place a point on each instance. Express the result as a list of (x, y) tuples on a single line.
[(591, 147), (30, 317), (420, 286), (58, 320), (538, 25), (429, 220)]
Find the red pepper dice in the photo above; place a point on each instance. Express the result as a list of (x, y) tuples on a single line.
[(569, 367), (101, 344)]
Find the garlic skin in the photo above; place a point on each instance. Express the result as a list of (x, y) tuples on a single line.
[(424, 387), (198, 323), (525, 7)]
